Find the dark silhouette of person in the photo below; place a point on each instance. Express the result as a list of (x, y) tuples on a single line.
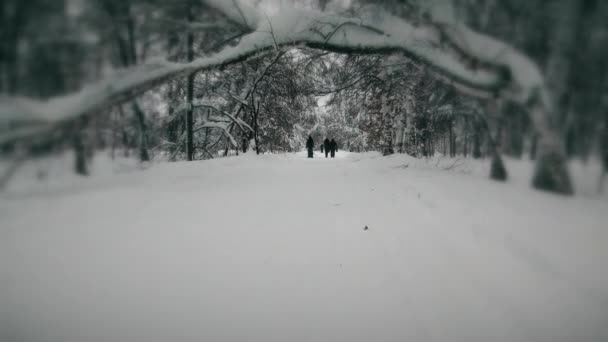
[(322, 148), (245, 144), (310, 144), (326, 144), (333, 146)]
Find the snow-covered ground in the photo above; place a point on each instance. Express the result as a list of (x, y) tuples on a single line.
[(273, 248)]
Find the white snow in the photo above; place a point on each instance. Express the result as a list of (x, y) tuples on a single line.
[(241, 12), (272, 248), (286, 27)]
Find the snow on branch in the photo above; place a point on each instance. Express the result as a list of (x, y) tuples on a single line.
[(219, 126), (237, 11), (458, 54), (242, 124)]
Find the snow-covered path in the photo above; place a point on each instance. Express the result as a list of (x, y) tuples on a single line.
[(273, 248)]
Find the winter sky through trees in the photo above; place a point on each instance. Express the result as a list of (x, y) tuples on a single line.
[(303, 170)]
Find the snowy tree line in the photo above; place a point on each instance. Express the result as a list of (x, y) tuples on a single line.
[(383, 92)]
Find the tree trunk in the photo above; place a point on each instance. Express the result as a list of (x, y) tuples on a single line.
[(227, 146), (533, 146), (11, 66), (476, 139), (245, 144), (3, 29), (516, 135), (190, 120), (551, 172), (256, 128), (81, 166), (114, 128), (399, 136), (548, 110), (387, 128), (604, 152), (131, 37), (190, 93), (465, 147), (497, 169), (255, 125), (452, 139), (605, 144), (143, 134), (11, 37), (128, 56), (400, 130)]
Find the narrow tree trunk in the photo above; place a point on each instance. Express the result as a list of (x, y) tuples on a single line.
[(190, 93), (605, 143), (12, 67), (205, 142), (497, 169), (124, 137), (132, 53), (3, 27), (387, 129), (515, 136), (410, 131), (533, 146), (452, 141), (465, 148), (190, 120), (143, 133), (12, 37), (80, 152), (476, 139), (604, 152), (400, 130), (256, 128), (114, 135)]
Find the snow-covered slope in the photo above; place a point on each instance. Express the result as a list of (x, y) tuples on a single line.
[(273, 248)]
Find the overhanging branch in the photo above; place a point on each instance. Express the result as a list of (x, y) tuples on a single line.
[(432, 45)]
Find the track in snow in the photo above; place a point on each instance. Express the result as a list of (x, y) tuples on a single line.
[(273, 248)]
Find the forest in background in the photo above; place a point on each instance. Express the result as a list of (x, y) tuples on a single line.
[(272, 101)]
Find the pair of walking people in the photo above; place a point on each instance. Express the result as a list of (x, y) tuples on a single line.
[(330, 147)]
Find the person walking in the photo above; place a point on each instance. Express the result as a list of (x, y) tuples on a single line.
[(326, 145), (333, 146), (310, 145)]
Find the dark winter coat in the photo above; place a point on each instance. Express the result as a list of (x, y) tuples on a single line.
[(333, 146), (310, 143), (327, 144)]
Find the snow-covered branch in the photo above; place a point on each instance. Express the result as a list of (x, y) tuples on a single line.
[(238, 12), (460, 55), (242, 124), (219, 126)]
